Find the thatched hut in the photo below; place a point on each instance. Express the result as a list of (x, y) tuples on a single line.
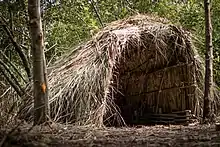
[(134, 66)]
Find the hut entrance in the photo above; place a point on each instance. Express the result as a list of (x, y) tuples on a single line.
[(163, 91)]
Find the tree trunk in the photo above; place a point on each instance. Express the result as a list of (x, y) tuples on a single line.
[(39, 76), (208, 94)]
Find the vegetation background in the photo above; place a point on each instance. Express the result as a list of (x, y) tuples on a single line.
[(68, 23)]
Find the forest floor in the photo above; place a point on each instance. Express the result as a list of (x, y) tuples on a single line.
[(57, 135)]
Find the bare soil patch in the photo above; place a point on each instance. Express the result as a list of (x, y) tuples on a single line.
[(66, 135)]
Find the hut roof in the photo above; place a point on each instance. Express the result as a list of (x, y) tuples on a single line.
[(83, 84)]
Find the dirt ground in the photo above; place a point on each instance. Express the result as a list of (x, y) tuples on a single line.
[(68, 136)]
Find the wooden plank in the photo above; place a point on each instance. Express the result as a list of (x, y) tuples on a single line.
[(164, 115), (162, 118), (182, 112), (181, 120), (163, 122), (178, 117)]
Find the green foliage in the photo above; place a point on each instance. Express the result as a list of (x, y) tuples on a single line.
[(14, 18), (68, 23), (190, 15), (72, 22)]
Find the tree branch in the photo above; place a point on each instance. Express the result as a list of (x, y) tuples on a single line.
[(17, 48), (16, 87), (97, 14), (5, 68), (13, 66)]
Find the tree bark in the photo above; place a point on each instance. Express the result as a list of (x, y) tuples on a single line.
[(39, 76), (208, 94)]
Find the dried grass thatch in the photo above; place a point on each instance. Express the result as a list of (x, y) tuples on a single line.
[(9, 103), (134, 65)]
